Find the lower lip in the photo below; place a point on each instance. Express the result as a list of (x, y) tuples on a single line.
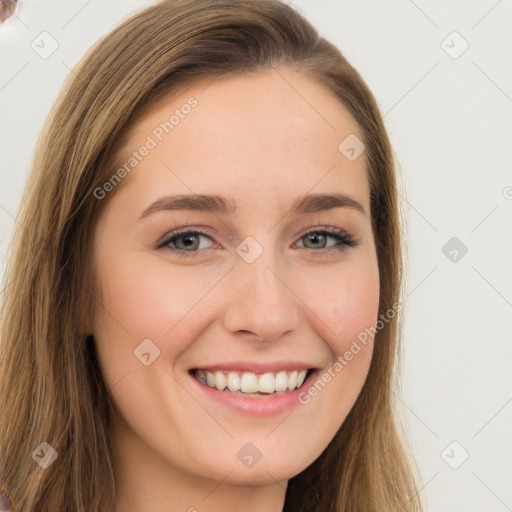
[(259, 406)]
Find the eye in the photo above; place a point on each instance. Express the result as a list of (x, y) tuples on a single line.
[(185, 242), (319, 236)]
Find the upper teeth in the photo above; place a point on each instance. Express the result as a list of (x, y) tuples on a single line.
[(249, 382)]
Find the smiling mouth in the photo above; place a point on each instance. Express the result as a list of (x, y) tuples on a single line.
[(253, 384)]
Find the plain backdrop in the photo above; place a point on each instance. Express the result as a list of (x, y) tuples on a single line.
[(442, 75)]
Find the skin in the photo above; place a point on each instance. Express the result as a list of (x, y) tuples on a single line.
[(264, 143)]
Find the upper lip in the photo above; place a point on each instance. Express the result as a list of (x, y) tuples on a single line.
[(256, 367)]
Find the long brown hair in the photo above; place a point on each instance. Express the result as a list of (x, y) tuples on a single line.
[(52, 390)]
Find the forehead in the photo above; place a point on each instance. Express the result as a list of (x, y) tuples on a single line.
[(271, 132)]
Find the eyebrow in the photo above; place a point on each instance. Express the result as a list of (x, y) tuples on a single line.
[(220, 204)]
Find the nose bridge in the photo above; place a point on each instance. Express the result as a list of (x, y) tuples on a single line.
[(262, 302)]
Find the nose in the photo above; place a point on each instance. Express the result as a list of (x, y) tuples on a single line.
[(262, 301)]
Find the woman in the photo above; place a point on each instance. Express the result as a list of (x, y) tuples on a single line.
[(139, 374)]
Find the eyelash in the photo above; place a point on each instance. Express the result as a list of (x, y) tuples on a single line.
[(345, 240)]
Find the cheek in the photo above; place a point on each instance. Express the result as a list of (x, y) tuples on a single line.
[(347, 302), (146, 299), (355, 310), (349, 306), (142, 301)]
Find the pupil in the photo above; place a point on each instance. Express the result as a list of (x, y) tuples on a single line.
[(313, 237), (188, 240)]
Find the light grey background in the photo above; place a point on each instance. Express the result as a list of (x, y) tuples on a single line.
[(449, 117)]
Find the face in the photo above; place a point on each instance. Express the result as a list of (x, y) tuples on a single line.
[(253, 290)]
